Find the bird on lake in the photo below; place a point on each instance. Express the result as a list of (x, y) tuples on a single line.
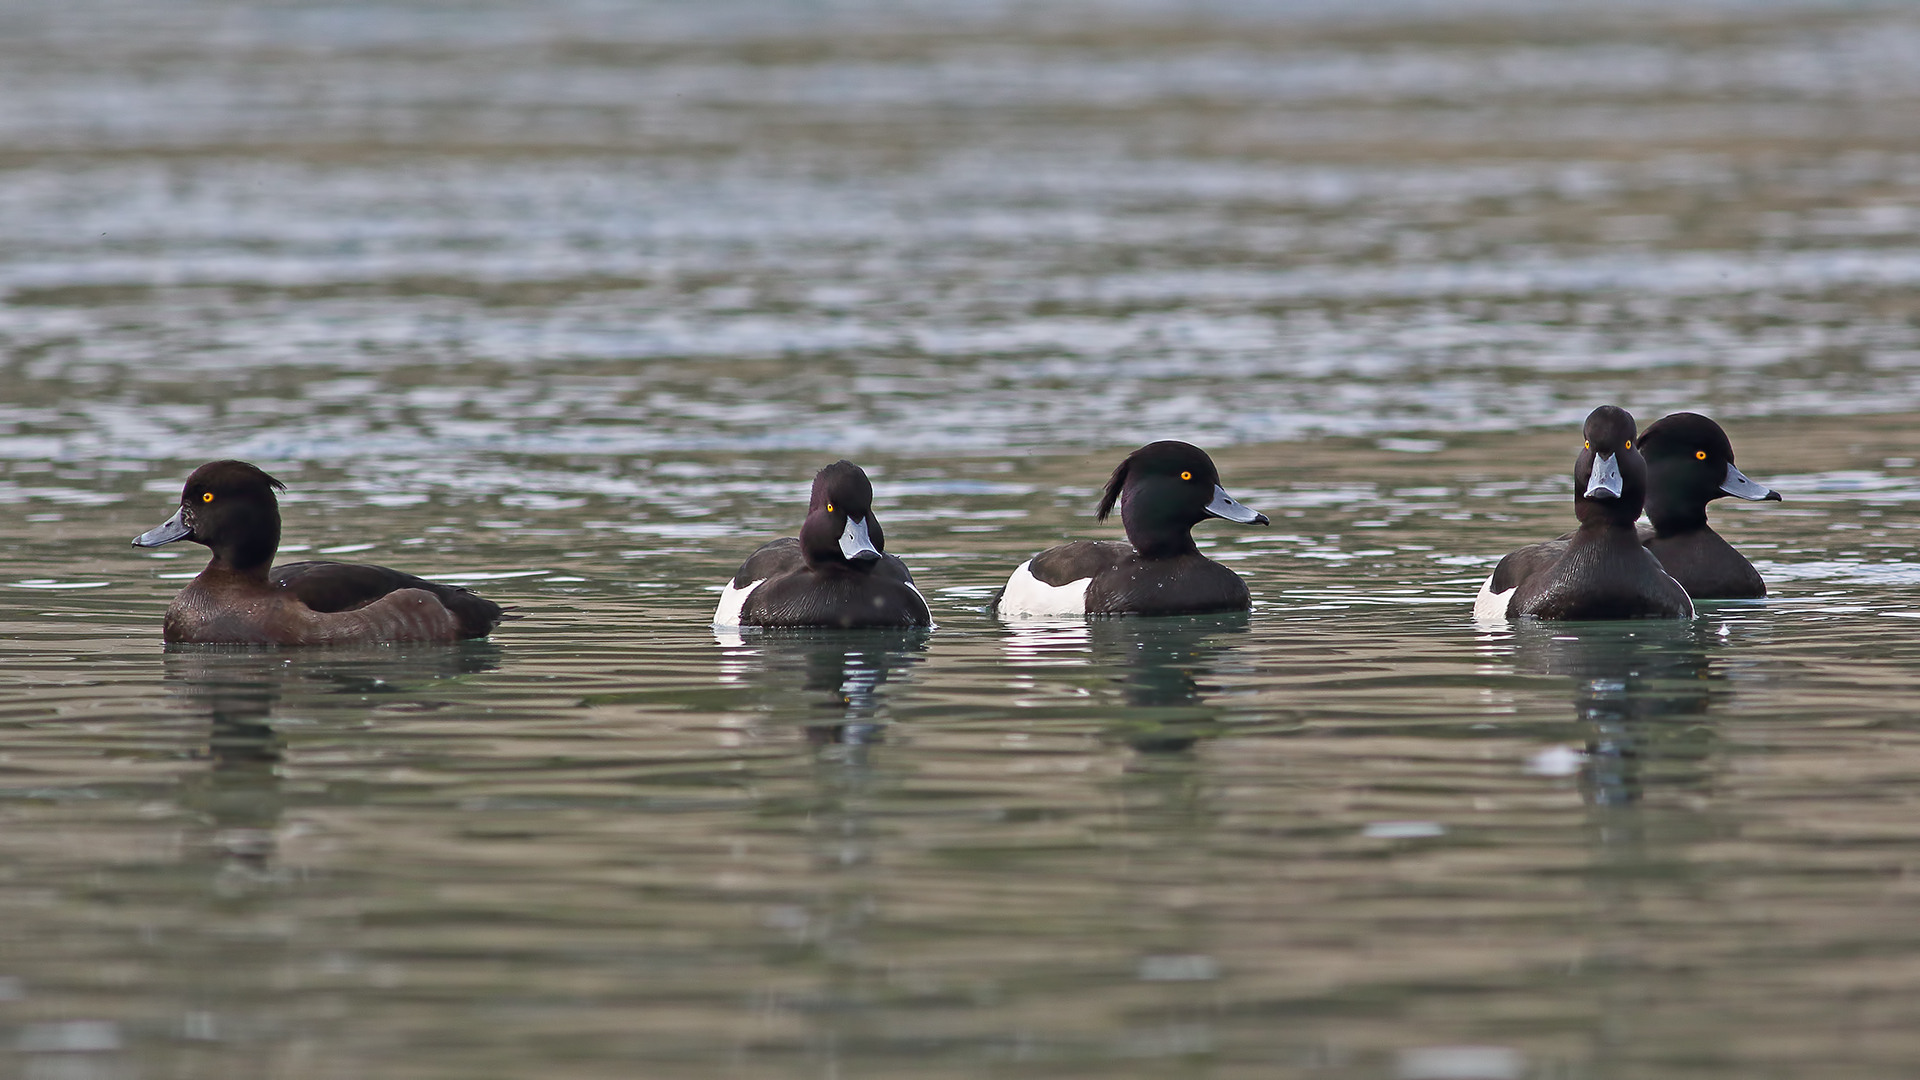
[(1690, 464), (1163, 490), (1601, 570), (230, 507), (836, 573)]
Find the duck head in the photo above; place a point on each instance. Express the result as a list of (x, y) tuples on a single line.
[(230, 507), (1164, 489), (840, 529), (1610, 476), (1690, 464)]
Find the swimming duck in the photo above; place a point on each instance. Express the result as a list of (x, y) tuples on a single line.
[(1601, 571), (1690, 464), (835, 573), (1164, 489), (230, 507)]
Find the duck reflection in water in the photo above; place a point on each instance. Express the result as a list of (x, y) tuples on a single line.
[(1160, 668), (239, 690), (221, 968), (834, 686), (1641, 695), (841, 676)]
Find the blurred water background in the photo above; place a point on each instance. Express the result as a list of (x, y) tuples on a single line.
[(568, 301)]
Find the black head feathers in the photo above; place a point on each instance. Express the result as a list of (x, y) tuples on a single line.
[(1686, 433), (228, 479), (1168, 459)]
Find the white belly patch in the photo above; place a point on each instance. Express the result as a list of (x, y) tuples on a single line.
[(931, 625), (732, 602), (1491, 606), (1027, 595)]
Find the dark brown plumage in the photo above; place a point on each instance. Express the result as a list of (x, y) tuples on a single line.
[(230, 507), (835, 573), (1599, 571)]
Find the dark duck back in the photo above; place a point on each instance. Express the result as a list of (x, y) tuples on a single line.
[(1600, 571), (1163, 490), (1690, 464), (237, 600), (835, 573)]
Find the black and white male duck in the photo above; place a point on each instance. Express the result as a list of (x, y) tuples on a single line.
[(1690, 464), (835, 573), (1164, 489), (1600, 571), (237, 600)]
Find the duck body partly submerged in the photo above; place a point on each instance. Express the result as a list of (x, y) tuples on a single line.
[(776, 587), (1707, 566), (1105, 577), (240, 599), (1602, 573), (836, 573), (324, 603), (1601, 570), (1163, 490)]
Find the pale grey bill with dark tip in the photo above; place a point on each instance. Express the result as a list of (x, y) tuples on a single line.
[(855, 544), (174, 528), (1223, 506), (1605, 482), (1737, 485)]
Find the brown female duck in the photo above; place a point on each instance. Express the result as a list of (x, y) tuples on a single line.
[(237, 600)]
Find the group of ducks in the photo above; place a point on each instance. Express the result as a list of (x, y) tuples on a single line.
[(837, 572)]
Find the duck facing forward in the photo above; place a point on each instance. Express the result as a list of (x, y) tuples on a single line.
[(835, 573), (237, 600), (1601, 571), (1163, 489), (1690, 464)]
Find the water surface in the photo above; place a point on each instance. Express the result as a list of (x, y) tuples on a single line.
[(568, 303), (1325, 838)]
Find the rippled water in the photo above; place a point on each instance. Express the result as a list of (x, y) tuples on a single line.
[(569, 301)]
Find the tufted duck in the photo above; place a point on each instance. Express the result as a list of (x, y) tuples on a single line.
[(835, 573), (1690, 464), (230, 507), (1601, 571), (1164, 489)]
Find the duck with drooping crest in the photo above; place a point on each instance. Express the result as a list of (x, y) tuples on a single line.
[(241, 599), (1600, 571), (1163, 490)]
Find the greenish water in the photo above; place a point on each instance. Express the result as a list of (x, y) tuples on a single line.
[(1322, 839), (568, 302)]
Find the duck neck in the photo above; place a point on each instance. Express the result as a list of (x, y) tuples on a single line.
[(1600, 515), (1673, 516), (255, 573), (249, 557), (820, 545), (1157, 538)]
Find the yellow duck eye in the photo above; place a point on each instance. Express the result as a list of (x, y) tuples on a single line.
[(207, 497), (1586, 446), (1700, 455), (1629, 444), (1186, 475), (829, 508)]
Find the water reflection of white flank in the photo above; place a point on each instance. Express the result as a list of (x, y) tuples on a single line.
[(1044, 642), (736, 659)]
